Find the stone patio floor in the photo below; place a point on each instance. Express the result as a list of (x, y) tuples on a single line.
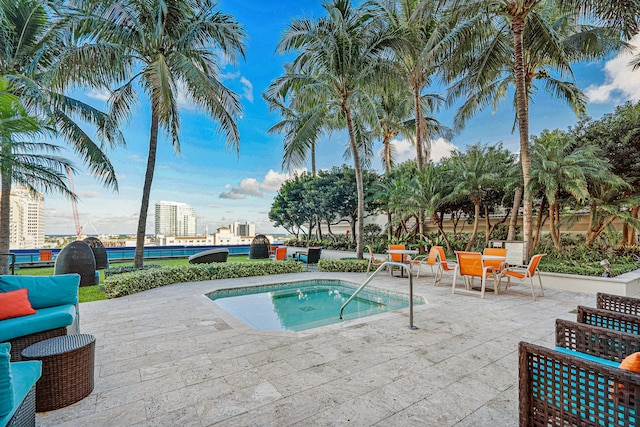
[(172, 357)]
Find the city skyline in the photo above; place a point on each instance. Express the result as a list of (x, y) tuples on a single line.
[(223, 188)]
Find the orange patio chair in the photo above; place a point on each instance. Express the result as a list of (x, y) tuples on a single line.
[(280, 253), (372, 259), (498, 265), (443, 264), (398, 257), (470, 266), (430, 260), (524, 272)]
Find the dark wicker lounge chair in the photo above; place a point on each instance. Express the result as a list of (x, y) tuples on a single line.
[(77, 257), (626, 305), (209, 256), (259, 248), (595, 341), (559, 389), (311, 256), (609, 319)]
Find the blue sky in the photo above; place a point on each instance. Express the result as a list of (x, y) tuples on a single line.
[(223, 187)]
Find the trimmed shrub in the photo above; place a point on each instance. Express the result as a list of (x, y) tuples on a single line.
[(127, 269), (130, 283), (343, 265)]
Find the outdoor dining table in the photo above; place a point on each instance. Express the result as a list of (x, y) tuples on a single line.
[(404, 253)]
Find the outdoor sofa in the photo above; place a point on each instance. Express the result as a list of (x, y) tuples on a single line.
[(55, 302), (17, 390)]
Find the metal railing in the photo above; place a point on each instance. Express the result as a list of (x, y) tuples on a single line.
[(366, 282)]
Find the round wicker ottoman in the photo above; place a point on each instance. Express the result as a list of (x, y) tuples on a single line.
[(67, 370)]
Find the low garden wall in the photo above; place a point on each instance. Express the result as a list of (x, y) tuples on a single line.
[(627, 284)]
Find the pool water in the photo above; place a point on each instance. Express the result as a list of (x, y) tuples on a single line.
[(299, 306)]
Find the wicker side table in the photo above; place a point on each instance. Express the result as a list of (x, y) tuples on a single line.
[(67, 370)]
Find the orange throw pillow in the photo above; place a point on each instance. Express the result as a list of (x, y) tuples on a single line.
[(15, 304), (631, 363)]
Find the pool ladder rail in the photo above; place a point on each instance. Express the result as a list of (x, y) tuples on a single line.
[(366, 282)]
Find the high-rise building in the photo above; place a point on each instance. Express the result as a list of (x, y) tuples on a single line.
[(26, 219), (175, 219), (243, 229)]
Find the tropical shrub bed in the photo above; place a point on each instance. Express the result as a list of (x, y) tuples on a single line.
[(343, 265), (130, 283)]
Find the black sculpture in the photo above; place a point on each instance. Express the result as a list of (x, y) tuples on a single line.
[(259, 247), (99, 252), (77, 257)]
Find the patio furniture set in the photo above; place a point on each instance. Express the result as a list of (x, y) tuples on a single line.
[(592, 376), (41, 367), (491, 263)]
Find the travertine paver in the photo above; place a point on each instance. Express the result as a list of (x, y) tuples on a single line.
[(171, 357)]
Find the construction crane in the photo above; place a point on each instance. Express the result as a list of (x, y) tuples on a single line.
[(74, 204)]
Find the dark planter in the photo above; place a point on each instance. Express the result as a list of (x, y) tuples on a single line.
[(77, 257), (99, 252)]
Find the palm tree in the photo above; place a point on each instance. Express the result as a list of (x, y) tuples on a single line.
[(165, 45), (40, 61), (560, 165), (31, 164), (516, 38), (420, 43), (393, 111), (343, 50), (434, 188), (301, 127), (474, 172)]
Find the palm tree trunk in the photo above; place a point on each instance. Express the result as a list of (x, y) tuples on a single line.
[(632, 238), (487, 226), (386, 143), (540, 222), (5, 218), (418, 111), (438, 222), (313, 158), (553, 230), (628, 233), (476, 210), (138, 259), (360, 188), (522, 108), (513, 223)]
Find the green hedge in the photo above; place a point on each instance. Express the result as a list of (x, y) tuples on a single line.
[(343, 266), (130, 283)]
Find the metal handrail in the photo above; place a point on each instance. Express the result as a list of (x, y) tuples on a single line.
[(366, 282)]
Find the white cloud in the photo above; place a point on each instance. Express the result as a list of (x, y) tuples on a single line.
[(99, 94), (182, 97), (232, 195), (252, 187), (247, 89), (441, 148), (406, 151), (230, 75), (273, 180), (621, 83), (88, 194)]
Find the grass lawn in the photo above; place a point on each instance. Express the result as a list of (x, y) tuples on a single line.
[(94, 293)]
